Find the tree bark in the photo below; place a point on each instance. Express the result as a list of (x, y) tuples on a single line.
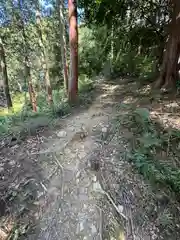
[(169, 69), (5, 75), (73, 35), (44, 57), (32, 94), (63, 43)]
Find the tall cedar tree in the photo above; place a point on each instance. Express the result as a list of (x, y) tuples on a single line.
[(5, 74), (63, 43), (28, 76), (73, 38), (170, 66), (44, 56)]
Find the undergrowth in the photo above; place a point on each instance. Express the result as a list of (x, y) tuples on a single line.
[(149, 144), (23, 119)]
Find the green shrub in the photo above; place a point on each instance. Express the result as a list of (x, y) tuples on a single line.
[(149, 139)]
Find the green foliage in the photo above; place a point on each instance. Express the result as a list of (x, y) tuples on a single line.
[(17, 120), (155, 171), (133, 36), (127, 54), (85, 84), (149, 140), (119, 37), (15, 49), (92, 49), (129, 63)]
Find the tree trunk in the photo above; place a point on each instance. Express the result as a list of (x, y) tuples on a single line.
[(5, 75), (112, 47), (169, 69), (63, 43), (32, 94), (73, 35), (44, 57)]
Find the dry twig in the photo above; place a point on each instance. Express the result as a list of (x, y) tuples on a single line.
[(62, 174)]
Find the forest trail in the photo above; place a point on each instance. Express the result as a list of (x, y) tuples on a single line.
[(74, 209), (75, 179)]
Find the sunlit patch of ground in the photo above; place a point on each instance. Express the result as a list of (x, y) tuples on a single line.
[(18, 101)]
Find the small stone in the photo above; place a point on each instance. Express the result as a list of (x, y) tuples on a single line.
[(81, 226), (15, 146), (94, 178), (12, 163), (62, 134), (1, 169), (120, 208), (93, 229), (97, 187), (173, 105), (104, 129), (81, 154), (78, 174)]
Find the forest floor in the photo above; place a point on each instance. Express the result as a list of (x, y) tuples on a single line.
[(90, 178)]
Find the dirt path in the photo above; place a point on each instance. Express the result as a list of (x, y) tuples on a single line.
[(74, 193), (75, 182)]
